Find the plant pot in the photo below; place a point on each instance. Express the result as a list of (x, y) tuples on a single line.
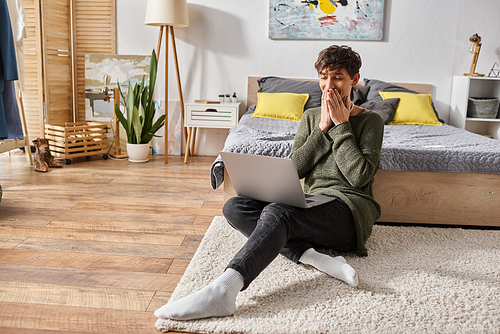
[(138, 152)]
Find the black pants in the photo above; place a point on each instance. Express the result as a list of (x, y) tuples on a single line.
[(273, 229)]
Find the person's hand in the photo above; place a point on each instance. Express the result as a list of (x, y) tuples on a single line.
[(339, 108), (326, 121), (334, 109)]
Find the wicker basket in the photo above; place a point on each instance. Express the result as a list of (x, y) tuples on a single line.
[(483, 107)]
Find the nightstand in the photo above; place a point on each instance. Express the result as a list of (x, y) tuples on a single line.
[(207, 115)]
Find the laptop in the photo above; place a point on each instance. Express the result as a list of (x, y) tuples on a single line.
[(268, 179)]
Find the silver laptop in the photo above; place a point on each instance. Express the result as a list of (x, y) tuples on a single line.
[(268, 179)]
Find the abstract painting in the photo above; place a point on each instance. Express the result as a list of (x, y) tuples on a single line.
[(326, 19)]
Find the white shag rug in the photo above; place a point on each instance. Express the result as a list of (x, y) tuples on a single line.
[(415, 280)]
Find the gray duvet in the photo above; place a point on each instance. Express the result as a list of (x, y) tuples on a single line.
[(422, 148), (410, 148)]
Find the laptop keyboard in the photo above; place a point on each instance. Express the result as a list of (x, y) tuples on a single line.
[(309, 200)]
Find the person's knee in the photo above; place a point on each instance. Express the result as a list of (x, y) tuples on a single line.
[(230, 208), (235, 210), (277, 214), (276, 209)]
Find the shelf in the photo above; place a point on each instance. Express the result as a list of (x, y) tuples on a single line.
[(483, 119), (478, 87), (485, 78)]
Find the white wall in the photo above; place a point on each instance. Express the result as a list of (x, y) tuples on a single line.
[(424, 42)]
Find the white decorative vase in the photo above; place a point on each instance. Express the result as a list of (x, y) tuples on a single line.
[(138, 152)]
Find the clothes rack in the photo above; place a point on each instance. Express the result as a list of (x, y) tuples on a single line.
[(9, 69)]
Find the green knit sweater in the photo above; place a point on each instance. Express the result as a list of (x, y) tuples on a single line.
[(342, 163)]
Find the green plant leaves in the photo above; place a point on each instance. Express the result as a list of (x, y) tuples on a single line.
[(157, 126), (141, 109)]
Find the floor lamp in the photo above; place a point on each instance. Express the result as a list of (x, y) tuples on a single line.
[(168, 14)]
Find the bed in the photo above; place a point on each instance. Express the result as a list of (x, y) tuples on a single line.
[(428, 174)]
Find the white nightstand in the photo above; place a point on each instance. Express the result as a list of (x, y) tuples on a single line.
[(208, 115)]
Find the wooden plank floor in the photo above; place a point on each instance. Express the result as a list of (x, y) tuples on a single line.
[(98, 245)]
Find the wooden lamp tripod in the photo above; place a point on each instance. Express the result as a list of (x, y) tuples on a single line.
[(168, 14), (475, 47)]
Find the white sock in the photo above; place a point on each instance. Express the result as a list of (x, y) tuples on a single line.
[(218, 299), (334, 266)]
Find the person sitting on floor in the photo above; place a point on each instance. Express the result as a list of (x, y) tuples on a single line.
[(337, 151)]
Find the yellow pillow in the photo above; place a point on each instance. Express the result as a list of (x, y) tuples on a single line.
[(289, 106), (412, 109)]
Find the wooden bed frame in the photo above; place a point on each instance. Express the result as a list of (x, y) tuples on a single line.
[(466, 199)]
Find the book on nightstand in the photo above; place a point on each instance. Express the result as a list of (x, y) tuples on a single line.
[(206, 101)]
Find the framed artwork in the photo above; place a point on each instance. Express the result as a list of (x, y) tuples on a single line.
[(326, 19), (102, 72)]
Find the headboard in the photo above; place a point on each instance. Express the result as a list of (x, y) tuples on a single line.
[(253, 87)]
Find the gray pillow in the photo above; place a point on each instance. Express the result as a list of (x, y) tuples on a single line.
[(359, 95), (386, 108), (381, 86), (282, 85)]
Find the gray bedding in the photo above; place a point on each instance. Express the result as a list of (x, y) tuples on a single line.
[(423, 148), (411, 148)]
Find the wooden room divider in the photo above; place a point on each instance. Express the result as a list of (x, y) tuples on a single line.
[(60, 33)]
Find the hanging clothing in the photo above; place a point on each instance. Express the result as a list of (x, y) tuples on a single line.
[(12, 116), (20, 32), (8, 63)]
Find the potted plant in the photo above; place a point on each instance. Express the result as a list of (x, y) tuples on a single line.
[(234, 98), (221, 98), (139, 115)]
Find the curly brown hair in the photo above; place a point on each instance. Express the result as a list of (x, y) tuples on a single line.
[(338, 57)]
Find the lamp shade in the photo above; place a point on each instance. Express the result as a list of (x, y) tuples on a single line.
[(167, 13)]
